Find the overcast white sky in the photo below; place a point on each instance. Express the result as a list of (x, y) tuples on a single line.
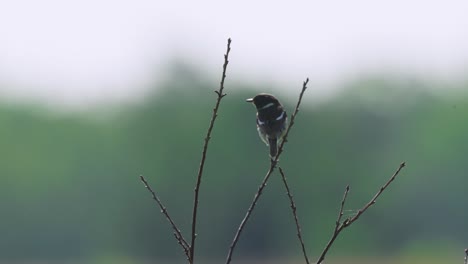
[(89, 51)]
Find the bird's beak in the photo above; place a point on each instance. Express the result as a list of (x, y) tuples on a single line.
[(249, 100)]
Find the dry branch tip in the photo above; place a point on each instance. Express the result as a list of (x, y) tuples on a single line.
[(220, 94), (339, 226)]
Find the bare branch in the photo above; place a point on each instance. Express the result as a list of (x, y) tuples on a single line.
[(294, 211), (267, 177), (205, 148), (347, 222), (374, 199), (177, 234)]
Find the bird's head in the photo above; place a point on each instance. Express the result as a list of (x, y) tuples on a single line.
[(263, 101)]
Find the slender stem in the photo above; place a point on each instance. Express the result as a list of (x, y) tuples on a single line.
[(249, 212), (267, 177), (177, 234), (348, 221), (294, 211), (205, 148), (338, 227)]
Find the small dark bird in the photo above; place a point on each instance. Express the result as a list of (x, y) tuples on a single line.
[(271, 120)]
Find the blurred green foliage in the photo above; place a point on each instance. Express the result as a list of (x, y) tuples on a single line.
[(69, 186)]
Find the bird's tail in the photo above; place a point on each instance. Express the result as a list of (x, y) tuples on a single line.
[(273, 147)]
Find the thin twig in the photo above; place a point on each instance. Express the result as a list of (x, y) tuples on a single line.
[(348, 221), (338, 227), (466, 256), (291, 123), (343, 201), (177, 234), (267, 177), (205, 148), (294, 211)]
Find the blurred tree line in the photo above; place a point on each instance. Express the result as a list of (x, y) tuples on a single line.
[(69, 186)]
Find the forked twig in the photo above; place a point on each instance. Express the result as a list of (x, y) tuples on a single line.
[(343, 201), (177, 234), (267, 177), (348, 221), (294, 211), (205, 148)]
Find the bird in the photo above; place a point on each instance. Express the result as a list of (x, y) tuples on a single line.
[(272, 120)]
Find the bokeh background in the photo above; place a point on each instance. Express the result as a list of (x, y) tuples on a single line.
[(95, 93)]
